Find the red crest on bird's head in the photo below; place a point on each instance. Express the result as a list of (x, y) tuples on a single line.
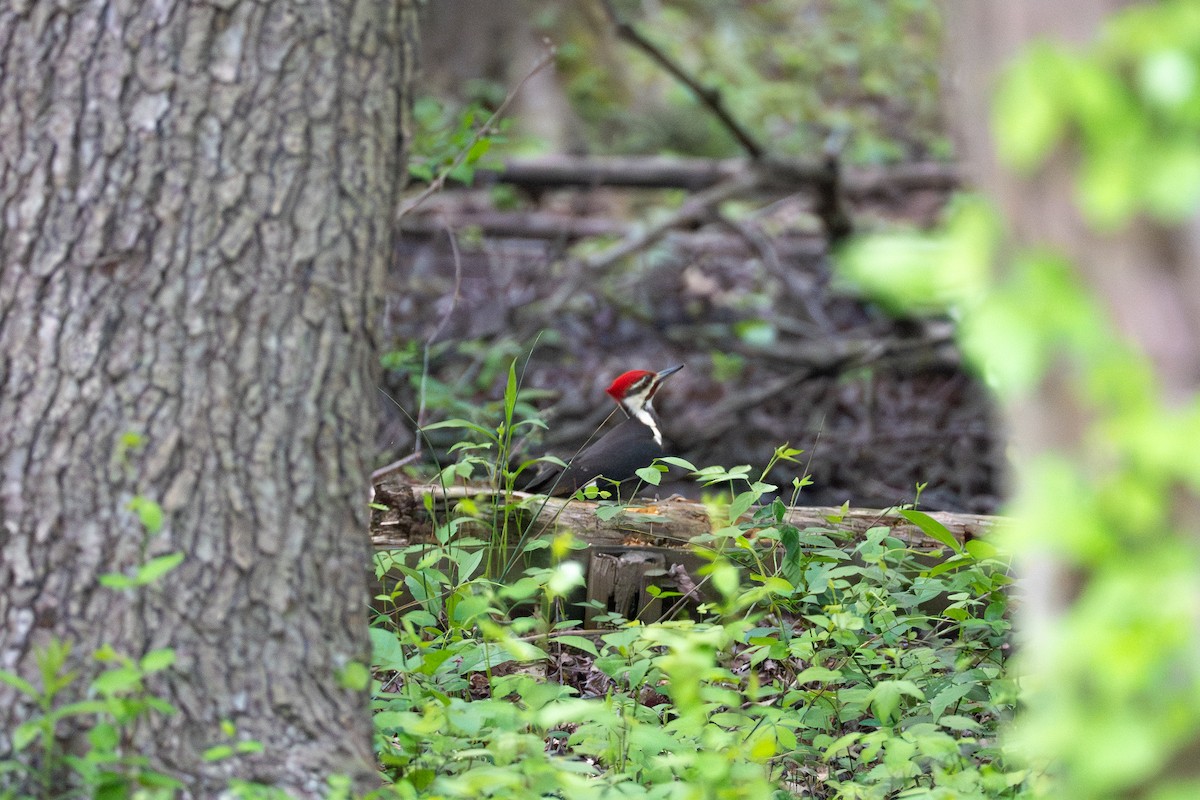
[(620, 387)]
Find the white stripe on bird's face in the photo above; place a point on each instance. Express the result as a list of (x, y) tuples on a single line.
[(639, 395), (644, 416)]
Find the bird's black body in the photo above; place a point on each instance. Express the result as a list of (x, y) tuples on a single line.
[(621, 452), (617, 456)]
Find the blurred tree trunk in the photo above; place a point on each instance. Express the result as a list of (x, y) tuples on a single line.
[(1145, 275), (197, 214), (468, 44)]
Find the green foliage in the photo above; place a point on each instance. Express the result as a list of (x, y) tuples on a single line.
[(792, 71), (916, 271), (1132, 103), (844, 666), (1111, 696), (442, 133), (471, 401), (232, 747), (116, 698)]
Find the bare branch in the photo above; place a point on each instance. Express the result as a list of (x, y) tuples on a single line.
[(437, 183), (694, 209), (707, 95), (396, 466)]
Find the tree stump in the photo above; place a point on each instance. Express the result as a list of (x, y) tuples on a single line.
[(617, 580)]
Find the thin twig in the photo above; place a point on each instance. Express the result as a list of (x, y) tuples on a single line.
[(705, 94), (395, 466), (818, 323), (831, 205), (696, 208), (437, 183)]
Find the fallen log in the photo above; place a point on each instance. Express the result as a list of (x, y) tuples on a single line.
[(670, 523), (695, 174), (515, 225)]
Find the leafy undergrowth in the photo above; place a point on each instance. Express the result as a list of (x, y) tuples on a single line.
[(806, 663)]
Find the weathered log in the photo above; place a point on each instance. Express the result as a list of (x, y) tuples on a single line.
[(669, 523), (694, 174), (618, 581), (516, 225)]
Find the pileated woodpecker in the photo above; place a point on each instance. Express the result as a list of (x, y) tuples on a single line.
[(621, 452)]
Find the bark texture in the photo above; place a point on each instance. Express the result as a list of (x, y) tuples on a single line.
[(196, 204)]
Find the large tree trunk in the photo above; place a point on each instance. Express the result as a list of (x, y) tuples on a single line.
[(1146, 277), (197, 212)]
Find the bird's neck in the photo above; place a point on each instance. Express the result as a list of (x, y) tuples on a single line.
[(645, 415)]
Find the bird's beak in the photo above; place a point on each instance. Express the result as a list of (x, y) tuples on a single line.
[(668, 371)]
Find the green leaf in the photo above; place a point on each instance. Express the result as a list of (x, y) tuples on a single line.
[(981, 550), (741, 504), (17, 682), (130, 440), (113, 706), (461, 424), (355, 676), (932, 528), (959, 723), (579, 643), (1029, 116), (951, 564), (1168, 77), (114, 681), (104, 737), (725, 578), (114, 580), (885, 699), (25, 734), (218, 752), (157, 660), (841, 743), (674, 461), (478, 150), (818, 673), (949, 696), (386, 652), (468, 562), (510, 391), (607, 513), (756, 332), (155, 568), (464, 173), (149, 513), (650, 475)]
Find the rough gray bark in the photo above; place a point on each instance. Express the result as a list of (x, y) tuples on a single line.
[(197, 204)]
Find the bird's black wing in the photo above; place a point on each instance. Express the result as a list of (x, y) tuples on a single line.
[(617, 457)]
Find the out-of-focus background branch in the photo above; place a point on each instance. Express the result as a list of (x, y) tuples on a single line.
[(617, 222)]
